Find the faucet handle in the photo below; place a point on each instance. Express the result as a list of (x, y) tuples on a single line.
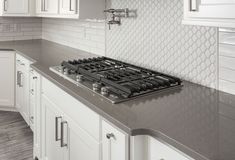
[(110, 10)]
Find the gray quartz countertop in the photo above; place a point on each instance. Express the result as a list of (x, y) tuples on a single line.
[(195, 119)]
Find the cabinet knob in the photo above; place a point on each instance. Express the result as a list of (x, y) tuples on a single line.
[(35, 77), (109, 135)]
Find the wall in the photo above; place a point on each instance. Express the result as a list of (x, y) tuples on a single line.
[(157, 40), (227, 60), (88, 36), (20, 28)]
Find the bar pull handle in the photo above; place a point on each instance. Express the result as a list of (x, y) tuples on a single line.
[(70, 6), (45, 5), (5, 5), (19, 78), (193, 5), (63, 143), (56, 128), (42, 5)]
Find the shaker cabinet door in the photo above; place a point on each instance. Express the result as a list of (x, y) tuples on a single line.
[(114, 143), (16, 6), (80, 145), (68, 6), (51, 134), (7, 79)]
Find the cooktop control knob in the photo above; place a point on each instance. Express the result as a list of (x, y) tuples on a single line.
[(104, 91), (61, 69), (96, 86), (66, 71), (79, 78)]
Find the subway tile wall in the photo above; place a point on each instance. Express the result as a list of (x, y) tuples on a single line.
[(20, 28), (227, 60), (156, 39), (87, 36)]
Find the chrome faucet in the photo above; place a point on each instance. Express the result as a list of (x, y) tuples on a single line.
[(116, 15)]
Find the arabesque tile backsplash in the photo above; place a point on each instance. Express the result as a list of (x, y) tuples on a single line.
[(156, 39)]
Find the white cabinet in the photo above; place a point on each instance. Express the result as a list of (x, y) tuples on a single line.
[(70, 130), (160, 151), (80, 145), (35, 111), (63, 138), (7, 80), (47, 7), (22, 87), (51, 131), (219, 13), (114, 143), (68, 7), (17, 7), (82, 9)]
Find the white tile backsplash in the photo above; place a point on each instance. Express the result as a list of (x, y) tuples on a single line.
[(20, 28), (156, 39), (88, 36)]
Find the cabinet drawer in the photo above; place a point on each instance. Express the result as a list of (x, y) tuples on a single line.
[(22, 61), (87, 119), (161, 151)]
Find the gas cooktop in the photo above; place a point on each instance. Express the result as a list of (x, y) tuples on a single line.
[(114, 80)]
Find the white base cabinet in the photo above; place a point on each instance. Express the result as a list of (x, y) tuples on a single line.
[(160, 151), (22, 87), (219, 13), (66, 129), (114, 143), (7, 80), (70, 130), (51, 131)]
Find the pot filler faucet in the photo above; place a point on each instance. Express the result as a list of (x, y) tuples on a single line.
[(116, 15)]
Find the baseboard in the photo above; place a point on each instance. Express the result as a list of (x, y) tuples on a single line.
[(8, 108)]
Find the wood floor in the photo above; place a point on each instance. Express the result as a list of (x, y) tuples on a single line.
[(16, 138)]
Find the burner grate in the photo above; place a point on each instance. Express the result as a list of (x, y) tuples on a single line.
[(122, 78)]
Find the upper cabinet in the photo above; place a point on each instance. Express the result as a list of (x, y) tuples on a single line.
[(77, 9), (47, 7), (17, 7), (219, 13), (82, 9)]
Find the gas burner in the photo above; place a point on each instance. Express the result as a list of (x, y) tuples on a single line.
[(115, 80)]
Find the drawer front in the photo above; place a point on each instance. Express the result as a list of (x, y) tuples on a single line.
[(87, 119), (161, 151), (22, 61)]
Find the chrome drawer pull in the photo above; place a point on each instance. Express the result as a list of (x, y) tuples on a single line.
[(56, 128), (63, 144)]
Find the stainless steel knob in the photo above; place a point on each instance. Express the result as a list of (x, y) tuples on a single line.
[(61, 69), (79, 78), (66, 71), (104, 91), (96, 86), (110, 135)]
